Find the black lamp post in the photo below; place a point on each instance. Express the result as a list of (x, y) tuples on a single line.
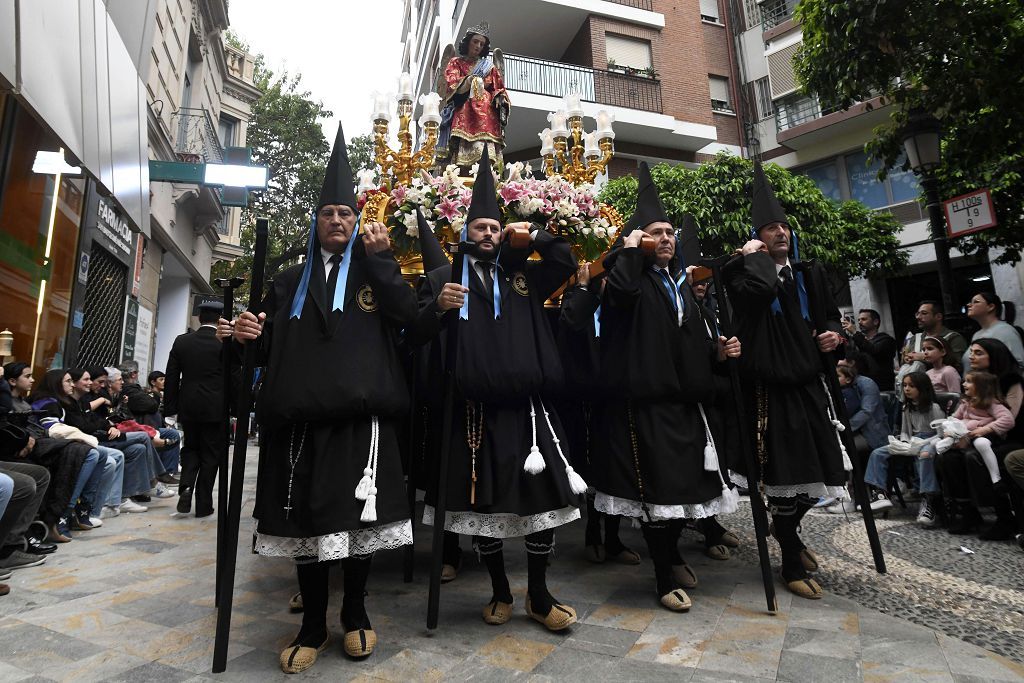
[(922, 138)]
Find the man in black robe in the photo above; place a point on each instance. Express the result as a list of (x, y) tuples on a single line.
[(798, 446), (655, 458), (508, 472), (330, 482)]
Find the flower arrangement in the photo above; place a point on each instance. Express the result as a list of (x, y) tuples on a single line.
[(570, 211)]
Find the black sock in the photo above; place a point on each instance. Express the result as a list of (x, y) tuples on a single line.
[(313, 585), (353, 609), (451, 552), (493, 557), (786, 517), (657, 536), (592, 534), (711, 529), (538, 548), (612, 543), (673, 528)]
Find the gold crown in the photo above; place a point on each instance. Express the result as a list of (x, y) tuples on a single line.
[(482, 29)]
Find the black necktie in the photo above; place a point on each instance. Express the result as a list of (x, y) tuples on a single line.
[(787, 281), (487, 268), (332, 280)]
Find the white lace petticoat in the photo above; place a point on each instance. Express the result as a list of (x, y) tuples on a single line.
[(814, 490), (338, 545), (501, 525), (624, 507)]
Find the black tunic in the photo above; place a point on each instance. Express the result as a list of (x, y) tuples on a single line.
[(579, 405), (780, 354), (328, 373), (502, 365), (656, 372)]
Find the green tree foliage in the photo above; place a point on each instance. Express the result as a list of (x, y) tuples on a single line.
[(360, 153), (285, 135), (849, 238), (958, 59)]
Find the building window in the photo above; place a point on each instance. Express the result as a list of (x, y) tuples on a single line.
[(36, 211), (226, 131), (720, 100), (709, 11), (625, 52), (752, 13), (826, 177), (763, 98)]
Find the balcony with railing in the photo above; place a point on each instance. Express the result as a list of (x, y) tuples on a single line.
[(543, 77), (801, 120), (197, 137), (775, 12), (794, 112)]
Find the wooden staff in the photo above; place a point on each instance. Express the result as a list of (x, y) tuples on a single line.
[(448, 416), (228, 286), (228, 549)]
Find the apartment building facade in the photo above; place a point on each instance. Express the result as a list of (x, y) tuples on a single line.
[(200, 92), (663, 68), (784, 126)]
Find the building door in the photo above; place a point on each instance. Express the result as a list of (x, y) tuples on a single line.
[(103, 312)]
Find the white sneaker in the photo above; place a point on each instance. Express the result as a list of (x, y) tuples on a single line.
[(162, 491), (825, 502), (96, 521), (881, 503), (129, 505), (109, 511), (841, 507), (925, 514)]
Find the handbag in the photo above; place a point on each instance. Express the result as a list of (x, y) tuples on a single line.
[(13, 440)]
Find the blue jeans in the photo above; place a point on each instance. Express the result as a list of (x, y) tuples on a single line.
[(138, 472), (156, 465), (106, 488), (6, 491), (926, 471), (84, 476), (170, 456), (877, 471)]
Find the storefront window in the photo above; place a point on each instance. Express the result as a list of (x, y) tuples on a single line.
[(826, 177), (864, 184), (36, 286)]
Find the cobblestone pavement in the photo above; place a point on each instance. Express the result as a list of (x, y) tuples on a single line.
[(132, 601)]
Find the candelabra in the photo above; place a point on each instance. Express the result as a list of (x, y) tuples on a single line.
[(589, 153), (403, 163)]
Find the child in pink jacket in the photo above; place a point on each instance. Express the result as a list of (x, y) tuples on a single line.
[(982, 411)]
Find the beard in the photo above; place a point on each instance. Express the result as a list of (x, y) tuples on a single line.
[(476, 252)]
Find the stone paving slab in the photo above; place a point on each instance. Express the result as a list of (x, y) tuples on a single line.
[(133, 601)]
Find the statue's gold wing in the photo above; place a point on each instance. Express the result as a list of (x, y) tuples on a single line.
[(440, 84)]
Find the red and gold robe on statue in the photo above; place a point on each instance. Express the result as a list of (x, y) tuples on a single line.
[(475, 123)]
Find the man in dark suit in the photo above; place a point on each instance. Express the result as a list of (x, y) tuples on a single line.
[(194, 393)]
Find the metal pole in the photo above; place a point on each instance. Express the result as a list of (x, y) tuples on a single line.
[(937, 222)]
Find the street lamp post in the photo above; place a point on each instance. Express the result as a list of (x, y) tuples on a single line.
[(922, 138)]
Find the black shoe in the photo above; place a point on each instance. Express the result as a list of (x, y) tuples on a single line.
[(1000, 530), (168, 478), (142, 498), (33, 546), (200, 515), (184, 501)]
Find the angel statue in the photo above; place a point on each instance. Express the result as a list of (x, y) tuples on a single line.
[(472, 87)]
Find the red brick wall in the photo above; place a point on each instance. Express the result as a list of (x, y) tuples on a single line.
[(619, 167), (581, 50)]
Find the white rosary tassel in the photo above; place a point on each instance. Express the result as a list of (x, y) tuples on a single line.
[(370, 507), (710, 452), (535, 460), (363, 487), (576, 483), (839, 426)]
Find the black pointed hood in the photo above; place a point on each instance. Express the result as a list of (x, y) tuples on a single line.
[(339, 186), (485, 198), (688, 246), (648, 204), (765, 208), (430, 248)]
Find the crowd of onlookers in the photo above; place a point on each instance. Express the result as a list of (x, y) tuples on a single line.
[(940, 419), (78, 447)]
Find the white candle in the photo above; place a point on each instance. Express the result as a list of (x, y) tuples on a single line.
[(405, 87), (573, 106), (604, 124), (591, 148), (381, 107), (430, 103), (547, 143), (557, 120)]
